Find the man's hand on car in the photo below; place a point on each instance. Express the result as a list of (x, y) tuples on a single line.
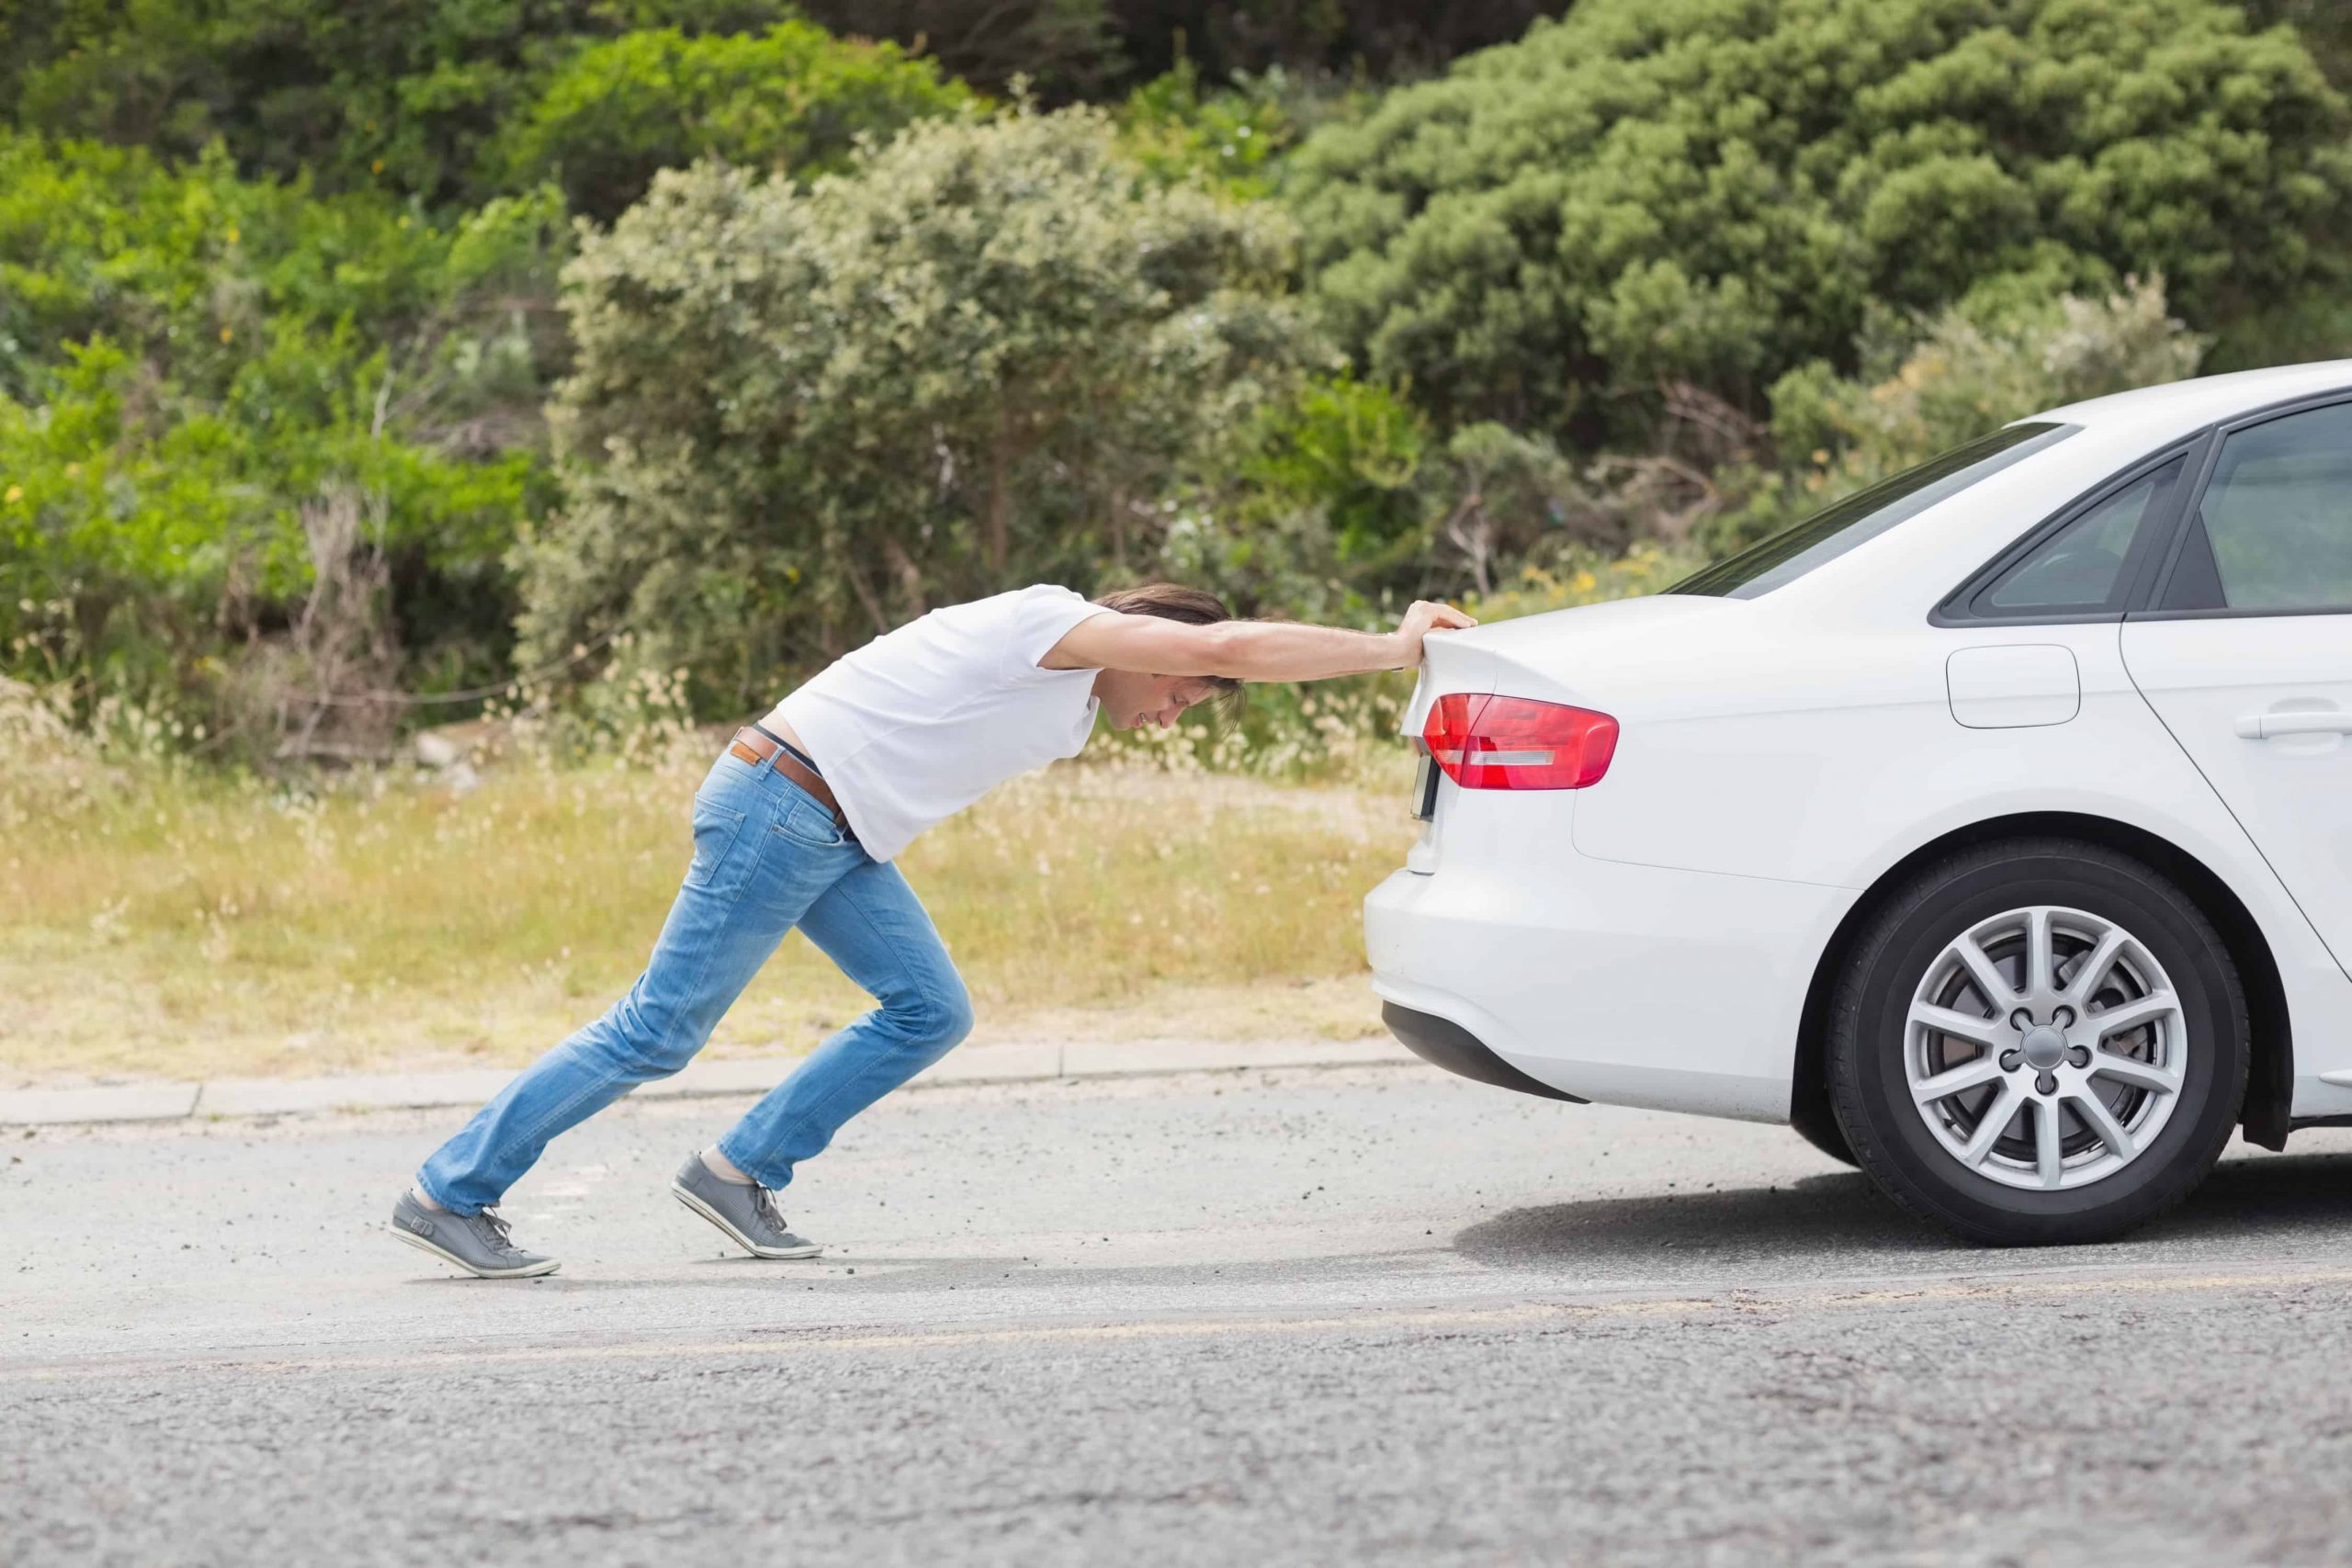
[(1424, 618)]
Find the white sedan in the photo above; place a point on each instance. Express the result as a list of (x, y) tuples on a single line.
[(1993, 827)]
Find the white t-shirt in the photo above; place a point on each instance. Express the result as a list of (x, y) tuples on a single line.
[(924, 720)]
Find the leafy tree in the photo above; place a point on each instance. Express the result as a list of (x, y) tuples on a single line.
[(1310, 506), (2325, 27), (791, 100), (1953, 377), (1349, 449), (196, 370), (2313, 322), (1716, 191), (1230, 135), (1927, 386), (406, 97), (1065, 50), (801, 415), (1391, 39), (1073, 49), (1338, 501)]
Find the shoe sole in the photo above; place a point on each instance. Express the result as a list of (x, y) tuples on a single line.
[(528, 1271), (780, 1254)]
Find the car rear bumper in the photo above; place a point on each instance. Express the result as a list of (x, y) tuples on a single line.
[(1446, 1043), (1622, 983)]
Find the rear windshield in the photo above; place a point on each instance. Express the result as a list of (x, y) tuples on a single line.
[(1791, 553)]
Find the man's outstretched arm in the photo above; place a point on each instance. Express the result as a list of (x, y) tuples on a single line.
[(1248, 650)]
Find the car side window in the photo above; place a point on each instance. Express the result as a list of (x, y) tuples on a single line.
[(2273, 531), (2080, 568)]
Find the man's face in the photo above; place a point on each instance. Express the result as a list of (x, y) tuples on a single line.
[(1132, 701)]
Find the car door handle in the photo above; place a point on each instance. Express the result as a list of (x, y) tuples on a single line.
[(2322, 721)]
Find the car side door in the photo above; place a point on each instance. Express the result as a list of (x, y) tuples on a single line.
[(2246, 648)]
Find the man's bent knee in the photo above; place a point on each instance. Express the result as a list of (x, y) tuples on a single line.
[(940, 1020), (653, 1041)]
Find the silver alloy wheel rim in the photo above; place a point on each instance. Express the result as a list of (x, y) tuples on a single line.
[(2045, 1048)]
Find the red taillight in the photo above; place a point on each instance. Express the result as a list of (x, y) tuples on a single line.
[(1489, 742)]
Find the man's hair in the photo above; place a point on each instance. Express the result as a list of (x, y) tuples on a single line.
[(1169, 602), (1195, 606)]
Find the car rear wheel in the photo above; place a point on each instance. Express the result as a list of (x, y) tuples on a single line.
[(2038, 1041)]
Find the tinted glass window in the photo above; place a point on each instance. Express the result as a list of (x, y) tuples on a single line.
[(1790, 554), (2274, 528), (2079, 571)]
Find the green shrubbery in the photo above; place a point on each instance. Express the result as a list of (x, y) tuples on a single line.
[(411, 99), (299, 433), (1230, 136), (792, 99), (195, 370), (1930, 384), (1340, 498), (801, 415), (1717, 191)]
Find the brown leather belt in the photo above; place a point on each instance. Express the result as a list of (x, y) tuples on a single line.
[(756, 747)]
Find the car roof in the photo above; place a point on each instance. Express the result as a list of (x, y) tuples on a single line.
[(2177, 407)]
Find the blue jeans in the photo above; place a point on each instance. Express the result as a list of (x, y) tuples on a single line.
[(767, 858)]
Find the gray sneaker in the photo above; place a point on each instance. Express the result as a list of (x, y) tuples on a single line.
[(746, 1215), (479, 1244)]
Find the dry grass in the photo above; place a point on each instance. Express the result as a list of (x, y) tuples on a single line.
[(188, 929)]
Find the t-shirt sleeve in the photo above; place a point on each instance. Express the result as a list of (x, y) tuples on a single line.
[(1042, 617)]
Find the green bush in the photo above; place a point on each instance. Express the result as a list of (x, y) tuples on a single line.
[(801, 415), (408, 97), (790, 100), (1306, 506), (1338, 501), (207, 382), (2325, 25), (1063, 50), (1094, 50), (1942, 382), (1386, 40), (1230, 135), (2311, 324), (1582, 578), (1718, 191)]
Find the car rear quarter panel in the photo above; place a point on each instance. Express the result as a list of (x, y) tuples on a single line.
[(1832, 759), (1826, 758)]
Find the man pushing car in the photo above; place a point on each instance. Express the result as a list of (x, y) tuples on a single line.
[(796, 825)]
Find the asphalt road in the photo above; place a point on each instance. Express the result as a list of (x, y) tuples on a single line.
[(1371, 1315)]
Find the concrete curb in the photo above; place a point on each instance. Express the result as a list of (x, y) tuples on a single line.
[(1031, 1061)]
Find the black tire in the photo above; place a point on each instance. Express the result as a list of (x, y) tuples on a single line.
[(1868, 1035)]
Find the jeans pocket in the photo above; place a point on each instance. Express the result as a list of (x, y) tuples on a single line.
[(717, 828), (809, 824)]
